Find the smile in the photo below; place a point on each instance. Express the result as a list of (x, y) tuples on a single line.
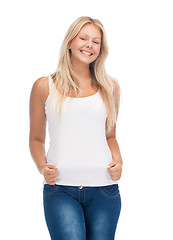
[(86, 53)]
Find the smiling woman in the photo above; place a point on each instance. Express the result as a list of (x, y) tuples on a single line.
[(80, 101), (86, 36)]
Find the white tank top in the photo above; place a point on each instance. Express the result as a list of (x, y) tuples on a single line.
[(78, 145)]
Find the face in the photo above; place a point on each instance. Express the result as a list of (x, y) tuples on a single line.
[(85, 47)]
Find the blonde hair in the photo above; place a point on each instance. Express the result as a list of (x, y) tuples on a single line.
[(65, 79)]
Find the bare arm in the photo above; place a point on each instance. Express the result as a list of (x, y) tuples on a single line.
[(37, 124), (115, 167), (111, 136), (113, 145), (38, 131)]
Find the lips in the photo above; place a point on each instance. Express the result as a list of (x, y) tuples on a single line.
[(86, 52)]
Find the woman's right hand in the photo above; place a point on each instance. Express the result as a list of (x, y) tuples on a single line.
[(50, 173)]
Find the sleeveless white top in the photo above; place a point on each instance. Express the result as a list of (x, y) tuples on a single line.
[(78, 145)]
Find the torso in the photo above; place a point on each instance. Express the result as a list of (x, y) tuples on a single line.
[(82, 125)]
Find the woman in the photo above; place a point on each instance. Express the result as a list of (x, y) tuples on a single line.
[(81, 170)]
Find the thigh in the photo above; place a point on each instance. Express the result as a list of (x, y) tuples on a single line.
[(63, 214), (102, 214)]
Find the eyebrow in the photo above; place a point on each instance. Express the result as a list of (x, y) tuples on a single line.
[(87, 35)]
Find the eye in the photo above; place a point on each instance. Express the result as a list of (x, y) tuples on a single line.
[(84, 39)]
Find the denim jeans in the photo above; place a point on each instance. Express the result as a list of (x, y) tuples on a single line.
[(81, 213)]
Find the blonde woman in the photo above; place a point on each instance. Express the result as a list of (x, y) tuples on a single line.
[(81, 169)]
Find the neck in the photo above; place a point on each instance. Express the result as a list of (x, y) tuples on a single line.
[(83, 73)]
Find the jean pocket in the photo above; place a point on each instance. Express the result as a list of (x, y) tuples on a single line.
[(111, 191), (50, 189)]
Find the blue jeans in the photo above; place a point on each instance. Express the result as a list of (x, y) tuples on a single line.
[(81, 213)]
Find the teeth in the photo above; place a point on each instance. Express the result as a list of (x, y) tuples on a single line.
[(86, 53)]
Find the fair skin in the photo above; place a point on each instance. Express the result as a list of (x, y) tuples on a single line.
[(88, 39), (85, 40)]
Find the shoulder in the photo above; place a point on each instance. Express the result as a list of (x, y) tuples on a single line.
[(40, 88), (40, 83)]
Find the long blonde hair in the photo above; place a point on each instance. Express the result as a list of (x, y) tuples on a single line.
[(65, 79)]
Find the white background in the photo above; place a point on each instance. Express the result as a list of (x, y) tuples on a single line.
[(140, 56)]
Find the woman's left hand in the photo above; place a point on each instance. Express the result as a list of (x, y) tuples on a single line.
[(115, 170)]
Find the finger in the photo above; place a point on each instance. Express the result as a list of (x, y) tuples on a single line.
[(111, 169), (52, 175), (53, 179), (112, 165), (52, 171), (115, 168), (51, 166), (115, 176)]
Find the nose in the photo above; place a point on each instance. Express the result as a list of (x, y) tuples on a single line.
[(89, 44)]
